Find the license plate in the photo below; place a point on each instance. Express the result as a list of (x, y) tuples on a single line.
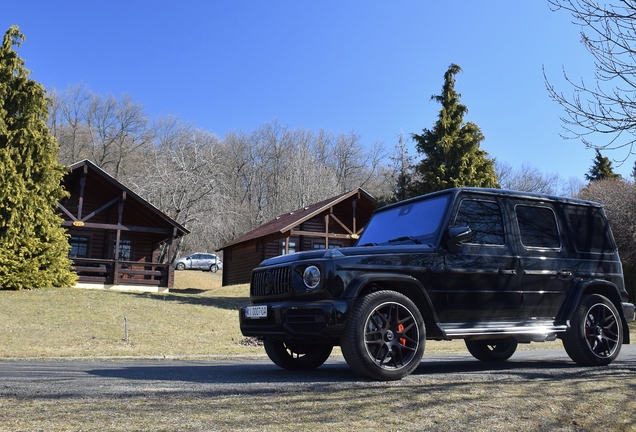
[(256, 312)]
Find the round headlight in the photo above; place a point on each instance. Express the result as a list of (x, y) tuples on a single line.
[(311, 277)]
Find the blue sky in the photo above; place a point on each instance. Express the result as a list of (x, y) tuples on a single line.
[(363, 66)]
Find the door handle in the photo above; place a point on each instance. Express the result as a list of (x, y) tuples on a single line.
[(565, 273), (507, 272)]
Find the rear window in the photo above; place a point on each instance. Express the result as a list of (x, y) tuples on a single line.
[(537, 227), (589, 232)]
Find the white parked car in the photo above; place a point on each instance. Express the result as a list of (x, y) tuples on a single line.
[(199, 261)]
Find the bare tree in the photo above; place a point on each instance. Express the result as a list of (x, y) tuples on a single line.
[(106, 130), (401, 173), (117, 129), (608, 106), (67, 122), (219, 189), (354, 165), (275, 169), (619, 198), (531, 179), (528, 179), (180, 176)]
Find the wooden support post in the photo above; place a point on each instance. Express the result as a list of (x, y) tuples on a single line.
[(168, 275), (120, 213), (81, 195), (354, 216)]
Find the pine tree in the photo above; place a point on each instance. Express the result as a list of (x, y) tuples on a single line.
[(601, 169), (452, 156), (33, 245)]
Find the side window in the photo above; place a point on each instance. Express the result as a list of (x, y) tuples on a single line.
[(537, 226), (484, 219), (589, 232)]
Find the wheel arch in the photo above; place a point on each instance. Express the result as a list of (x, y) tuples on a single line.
[(596, 286), (404, 284)]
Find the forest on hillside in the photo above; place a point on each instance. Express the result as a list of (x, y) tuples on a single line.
[(221, 187)]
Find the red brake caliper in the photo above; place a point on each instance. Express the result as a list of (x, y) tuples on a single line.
[(400, 328)]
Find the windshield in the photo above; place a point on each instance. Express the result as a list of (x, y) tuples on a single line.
[(410, 222)]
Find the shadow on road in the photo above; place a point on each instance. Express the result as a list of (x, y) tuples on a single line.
[(337, 371)]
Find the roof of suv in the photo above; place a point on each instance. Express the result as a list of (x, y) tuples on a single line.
[(500, 192)]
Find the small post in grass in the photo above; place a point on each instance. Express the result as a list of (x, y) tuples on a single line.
[(126, 329)]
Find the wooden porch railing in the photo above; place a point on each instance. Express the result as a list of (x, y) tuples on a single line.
[(128, 272)]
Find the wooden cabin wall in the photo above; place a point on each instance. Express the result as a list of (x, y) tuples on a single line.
[(238, 262)]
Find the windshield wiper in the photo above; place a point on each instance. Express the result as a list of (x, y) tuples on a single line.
[(399, 239)]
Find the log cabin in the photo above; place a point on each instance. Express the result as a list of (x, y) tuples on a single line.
[(332, 223), (118, 239)]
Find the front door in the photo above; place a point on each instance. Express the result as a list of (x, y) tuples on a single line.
[(482, 277)]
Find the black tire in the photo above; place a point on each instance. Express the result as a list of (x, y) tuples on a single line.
[(385, 336), (295, 356), (214, 268), (492, 350), (181, 266), (595, 336)]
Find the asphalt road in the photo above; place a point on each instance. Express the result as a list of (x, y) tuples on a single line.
[(107, 379)]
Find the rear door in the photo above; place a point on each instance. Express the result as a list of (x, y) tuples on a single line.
[(210, 260), (197, 261), (546, 272)]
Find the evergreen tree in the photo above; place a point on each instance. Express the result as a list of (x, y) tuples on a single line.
[(601, 169), (33, 245), (452, 156)]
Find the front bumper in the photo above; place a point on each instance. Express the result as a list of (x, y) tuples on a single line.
[(318, 320)]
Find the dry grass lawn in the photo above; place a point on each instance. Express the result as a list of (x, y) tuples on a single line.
[(198, 318)]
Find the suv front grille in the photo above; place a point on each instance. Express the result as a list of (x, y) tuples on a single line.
[(271, 282)]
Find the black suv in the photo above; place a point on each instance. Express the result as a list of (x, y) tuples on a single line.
[(495, 268)]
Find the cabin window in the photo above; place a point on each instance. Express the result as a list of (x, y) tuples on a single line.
[(125, 250), (291, 249), (79, 247)]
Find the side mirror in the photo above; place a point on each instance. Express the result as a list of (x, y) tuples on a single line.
[(457, 236)]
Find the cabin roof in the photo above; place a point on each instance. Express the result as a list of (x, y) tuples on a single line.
[(105, 180), (287, 221)]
